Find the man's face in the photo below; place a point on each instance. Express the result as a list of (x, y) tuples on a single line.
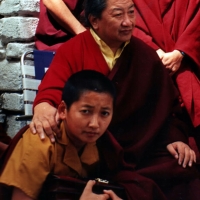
[(116, 23), (88, 118)]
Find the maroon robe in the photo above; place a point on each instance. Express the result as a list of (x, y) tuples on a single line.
[(49, 33), (145, 119), (170, 25)]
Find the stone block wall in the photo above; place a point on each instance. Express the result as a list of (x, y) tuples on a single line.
[(18, 22)]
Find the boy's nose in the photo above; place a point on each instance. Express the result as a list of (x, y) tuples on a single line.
[(94, 122)]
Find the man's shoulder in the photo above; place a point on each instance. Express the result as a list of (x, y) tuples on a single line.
[(142, 50), (86, 35), (139, 44)]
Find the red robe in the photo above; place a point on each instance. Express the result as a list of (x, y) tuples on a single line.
[(143, 122), (170, 25), (49, 34)]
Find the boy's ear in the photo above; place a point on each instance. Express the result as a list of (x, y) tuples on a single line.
[(62, 110)]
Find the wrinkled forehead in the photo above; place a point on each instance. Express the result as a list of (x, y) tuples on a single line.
[(124, 4)]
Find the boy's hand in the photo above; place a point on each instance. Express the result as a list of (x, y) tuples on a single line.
[(112, 195), (45, 121), (89, 195), (183, 153)]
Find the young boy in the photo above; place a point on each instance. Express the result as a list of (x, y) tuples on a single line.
[(86, 110)]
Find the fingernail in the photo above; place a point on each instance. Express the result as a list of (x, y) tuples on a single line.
[(42, 136), (52, 140)]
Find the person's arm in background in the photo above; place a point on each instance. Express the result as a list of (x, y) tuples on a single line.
[(171, 60), (44, 120), (62, 14)]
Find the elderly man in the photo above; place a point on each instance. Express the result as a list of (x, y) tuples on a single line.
[(145, 120)]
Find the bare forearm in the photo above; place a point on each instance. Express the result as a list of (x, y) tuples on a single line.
[(61, 13)]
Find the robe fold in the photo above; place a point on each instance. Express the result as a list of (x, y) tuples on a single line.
[(49, 33), (170, 25), (146, 115)]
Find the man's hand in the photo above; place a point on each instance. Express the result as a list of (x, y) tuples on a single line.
[(45, 121), (183, 153), (89, 195), (172, 60)]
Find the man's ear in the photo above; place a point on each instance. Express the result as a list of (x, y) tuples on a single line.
[(93, 21), (62, 110)]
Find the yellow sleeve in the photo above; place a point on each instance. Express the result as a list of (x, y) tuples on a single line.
[(29, 164)]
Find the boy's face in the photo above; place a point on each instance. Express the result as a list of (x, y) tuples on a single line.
[(88, 118)]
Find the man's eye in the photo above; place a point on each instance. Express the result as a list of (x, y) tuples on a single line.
[(131, 12), (118, 15)]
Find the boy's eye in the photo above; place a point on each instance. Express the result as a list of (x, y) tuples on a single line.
[(105, 113), (85, 111)]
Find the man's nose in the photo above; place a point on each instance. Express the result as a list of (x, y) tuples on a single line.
[(94, 122), (127, 20)]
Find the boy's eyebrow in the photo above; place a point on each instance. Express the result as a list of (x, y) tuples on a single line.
[(89, 106), (106, 108)]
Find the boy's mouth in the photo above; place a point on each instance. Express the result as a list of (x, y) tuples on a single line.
[(91, 133)]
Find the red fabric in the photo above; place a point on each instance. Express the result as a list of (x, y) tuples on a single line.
[(169, 25), (49, 34), (143, 122)]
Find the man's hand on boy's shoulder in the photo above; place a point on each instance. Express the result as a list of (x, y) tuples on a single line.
[(44, 121), (183, 153)]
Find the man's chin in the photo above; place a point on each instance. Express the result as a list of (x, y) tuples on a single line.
[(126, 38)]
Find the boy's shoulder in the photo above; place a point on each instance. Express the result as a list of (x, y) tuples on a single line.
[(35, 141)]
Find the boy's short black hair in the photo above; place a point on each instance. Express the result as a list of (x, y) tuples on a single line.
[(86, 80)]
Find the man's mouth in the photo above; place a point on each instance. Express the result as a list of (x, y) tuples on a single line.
[(128, 31)]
